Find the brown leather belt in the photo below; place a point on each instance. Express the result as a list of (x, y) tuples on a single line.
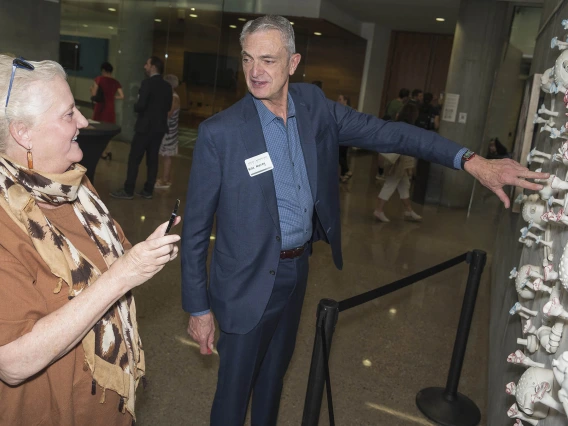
[(293, 253)]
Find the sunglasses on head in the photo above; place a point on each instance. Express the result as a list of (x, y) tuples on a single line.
[(17, 63)]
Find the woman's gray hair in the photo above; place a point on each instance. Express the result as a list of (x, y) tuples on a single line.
[(271, 22), (173, 80), (23, 106)]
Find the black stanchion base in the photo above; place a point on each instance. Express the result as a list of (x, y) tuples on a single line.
[(461, 411)]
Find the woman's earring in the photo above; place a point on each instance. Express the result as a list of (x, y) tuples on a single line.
[(30, 160)]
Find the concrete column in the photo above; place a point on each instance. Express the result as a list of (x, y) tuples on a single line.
[(135, 44), (30, 28), (478, 42), (375, 67)]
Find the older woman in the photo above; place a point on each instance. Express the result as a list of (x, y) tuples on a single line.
[(70, 353)]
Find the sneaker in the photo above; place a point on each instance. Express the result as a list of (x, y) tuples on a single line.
[(121, 194), (162, 185), (412, 216), (381, 216), (144, 194)]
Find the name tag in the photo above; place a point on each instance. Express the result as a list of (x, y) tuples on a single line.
[(259, 164)]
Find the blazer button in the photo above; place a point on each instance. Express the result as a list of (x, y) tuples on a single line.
[(278, 238), (272, 272)]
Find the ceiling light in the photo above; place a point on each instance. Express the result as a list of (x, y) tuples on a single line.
[(166, 56), (291, 23), (242, 19), (316, 33), (158, 20), (367, 363), (111, 9), (392, 311), (85, 26), (111, 28), (192, 15), (440, 19), (193, 8), (232, 26)]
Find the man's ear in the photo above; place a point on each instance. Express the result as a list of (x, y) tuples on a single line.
[(21, 134), (294, 61)]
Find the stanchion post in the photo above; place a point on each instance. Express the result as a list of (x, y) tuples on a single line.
[(446, 406), (327, 313)]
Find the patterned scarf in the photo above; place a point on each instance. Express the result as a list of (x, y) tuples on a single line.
[(112, 347)]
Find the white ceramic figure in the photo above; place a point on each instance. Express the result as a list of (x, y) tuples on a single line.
[(521, 310), (539, 120), (547, 190), (563, 270), (538, 157), (562, 155), (529, 327), (551, 346), (554, 308), (544, 110), (519, 358), (547, 84), (526, 235), (560, 371), (565, 24), (561, 71), (533, 386), (531, 343), (554, 132), (562, 45), (529, 280), (533, 210), (514, 413)]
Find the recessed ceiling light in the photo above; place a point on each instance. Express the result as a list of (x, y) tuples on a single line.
[(291, 23), (242, 19), (85, 26), (111, 28), (193, 8), (166, 56), (440, 19), (232, 26), (192, 15), (316, 33), (158, 20), (111, 9)]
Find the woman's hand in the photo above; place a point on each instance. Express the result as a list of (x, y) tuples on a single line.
[(147, 258)]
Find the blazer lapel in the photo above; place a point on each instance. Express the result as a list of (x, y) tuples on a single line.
[(253, 138), (308, 141)]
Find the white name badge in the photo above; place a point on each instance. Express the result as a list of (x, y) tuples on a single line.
[(259, 164)]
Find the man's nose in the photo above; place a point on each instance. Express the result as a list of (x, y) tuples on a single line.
[(257, 70)]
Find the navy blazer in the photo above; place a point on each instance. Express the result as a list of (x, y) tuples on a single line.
[(247, 246)]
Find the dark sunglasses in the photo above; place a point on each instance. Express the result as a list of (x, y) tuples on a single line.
[(17, 63)]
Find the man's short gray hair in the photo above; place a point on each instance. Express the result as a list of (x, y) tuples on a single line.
[(271, 22)]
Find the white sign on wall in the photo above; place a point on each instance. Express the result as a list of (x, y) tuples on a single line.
[(450, 111)]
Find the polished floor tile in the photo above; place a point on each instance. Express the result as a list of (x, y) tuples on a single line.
[(383, 352)]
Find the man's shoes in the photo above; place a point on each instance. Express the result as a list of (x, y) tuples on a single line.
[(122, 194), (381, 216), (144, 194), (412, 216)]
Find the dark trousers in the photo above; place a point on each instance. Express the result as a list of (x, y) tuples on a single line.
[(143, 143), (343, 159), (255, 363)]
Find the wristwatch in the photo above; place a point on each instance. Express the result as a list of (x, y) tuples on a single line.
[(468, 155)]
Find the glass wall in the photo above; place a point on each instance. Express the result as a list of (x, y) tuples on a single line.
[(199, 43)]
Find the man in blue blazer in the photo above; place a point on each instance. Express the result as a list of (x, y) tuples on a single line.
[(266, 168)]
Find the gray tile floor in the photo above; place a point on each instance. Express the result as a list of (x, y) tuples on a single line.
[(383, 352)]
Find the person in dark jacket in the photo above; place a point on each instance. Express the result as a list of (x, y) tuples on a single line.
[(154, 102)]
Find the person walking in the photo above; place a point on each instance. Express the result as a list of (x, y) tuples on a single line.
[(169, 147), (154, 102), (398, 174)]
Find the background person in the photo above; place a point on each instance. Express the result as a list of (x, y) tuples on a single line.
[(153, 105), (398, 175), (170, 142), (70, 353), (111, 89)]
